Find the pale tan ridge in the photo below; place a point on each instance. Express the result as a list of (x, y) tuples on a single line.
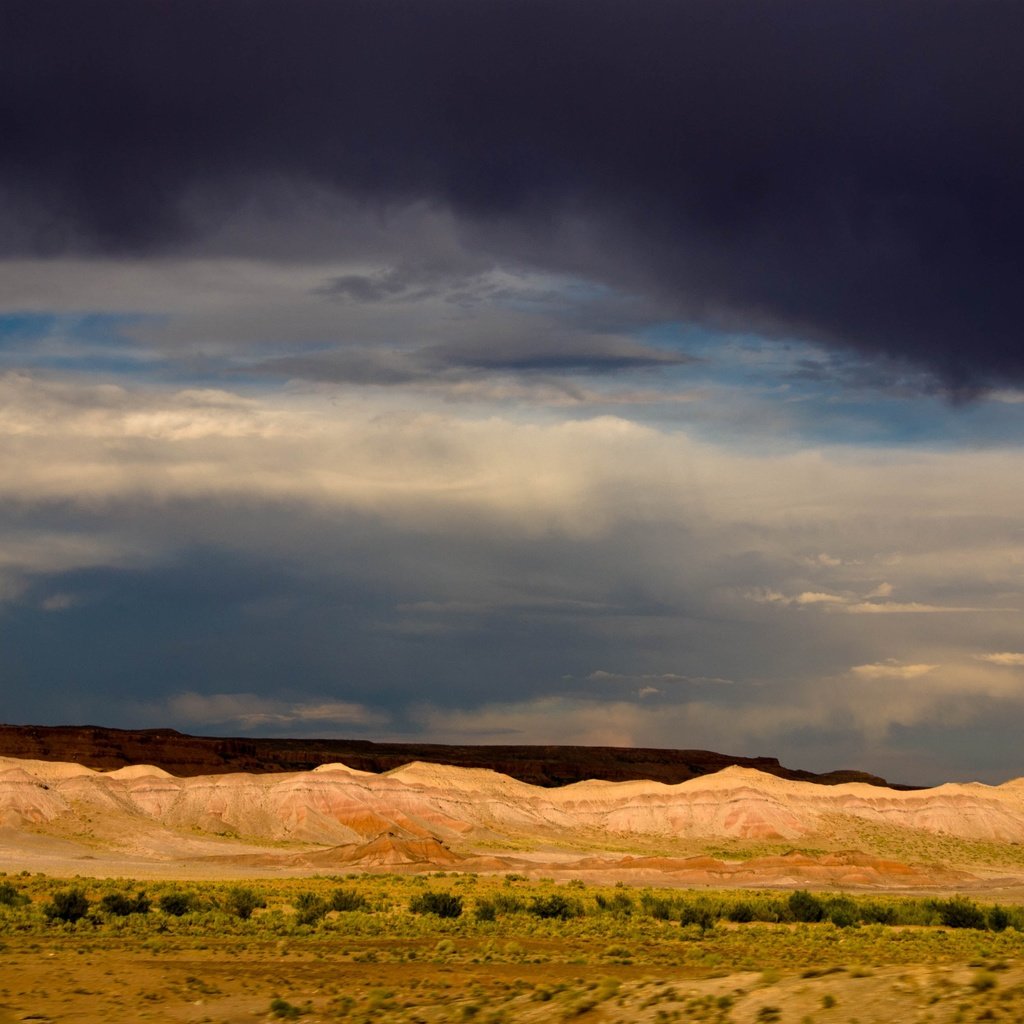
[(145, 812)]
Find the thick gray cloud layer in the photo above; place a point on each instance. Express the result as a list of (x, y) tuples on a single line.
[(232, 564), (848, 172)]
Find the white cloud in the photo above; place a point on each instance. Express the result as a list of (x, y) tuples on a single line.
[(850, 604), (1009, 659), (662, 678), (824, 559), (814, 597), (892, 670), (904, 608), (248, 710)]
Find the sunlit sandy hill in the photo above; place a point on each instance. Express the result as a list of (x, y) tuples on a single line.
[(735, 827)]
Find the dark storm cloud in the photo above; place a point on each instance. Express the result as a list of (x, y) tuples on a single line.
[(848, 171), (556, 352)]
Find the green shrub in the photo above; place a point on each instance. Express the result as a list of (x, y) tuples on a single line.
[(241, 902), (916, 912), (67, 905), (959, 912), (120, 904), (878, 913), (998, 918), (485, 910), (555, 906), (741, 913), (842, 912), (699, 914), (656, 907), (348, 899), (618, 903), (805, 907), (310, 908), (177, 904), (506, 903), (11, 897), (283, 1009), (441, 904)]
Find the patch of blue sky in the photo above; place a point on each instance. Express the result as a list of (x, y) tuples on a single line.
[(113, 328), (794, 393), (103, 343), (33, 334)]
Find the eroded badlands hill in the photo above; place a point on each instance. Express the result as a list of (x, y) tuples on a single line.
[(434, 816), (181, 754)]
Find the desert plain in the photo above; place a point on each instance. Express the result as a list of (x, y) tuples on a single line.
[(432, 893)]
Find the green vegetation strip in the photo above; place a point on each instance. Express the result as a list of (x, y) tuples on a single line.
[(370, 949), (452, 905)]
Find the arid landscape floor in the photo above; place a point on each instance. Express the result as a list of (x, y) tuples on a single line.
[(607, 902), (518, 950), (57, 980)]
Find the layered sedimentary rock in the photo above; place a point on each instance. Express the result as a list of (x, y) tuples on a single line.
[(336, 805)]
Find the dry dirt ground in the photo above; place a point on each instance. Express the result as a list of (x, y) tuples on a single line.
[(58, 981)]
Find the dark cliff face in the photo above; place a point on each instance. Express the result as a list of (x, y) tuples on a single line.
[(181, 754)]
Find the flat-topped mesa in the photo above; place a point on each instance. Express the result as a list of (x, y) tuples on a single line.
[(548, 766)]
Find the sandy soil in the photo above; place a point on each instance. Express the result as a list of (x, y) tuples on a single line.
[(56, 982)]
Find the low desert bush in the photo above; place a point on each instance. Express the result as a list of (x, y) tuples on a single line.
[(284, 1010), (741, 912), (507, 903), (120, 904), (240, 902), (960, 912), (555, 906), (842, 912), (657, 907), (178, 903), (67, 905), (10, 896), (310, 908), (348, 899), (441, 904), (877, 913), (485, 910), (998, 918), (699, 914), (618, 903), (805, 907)]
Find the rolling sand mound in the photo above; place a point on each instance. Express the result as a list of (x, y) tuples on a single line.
[(430, 815)]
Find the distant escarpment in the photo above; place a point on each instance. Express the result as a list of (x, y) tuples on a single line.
[(184, 755)]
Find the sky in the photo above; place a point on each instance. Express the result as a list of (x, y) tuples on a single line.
[(518, 371)]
